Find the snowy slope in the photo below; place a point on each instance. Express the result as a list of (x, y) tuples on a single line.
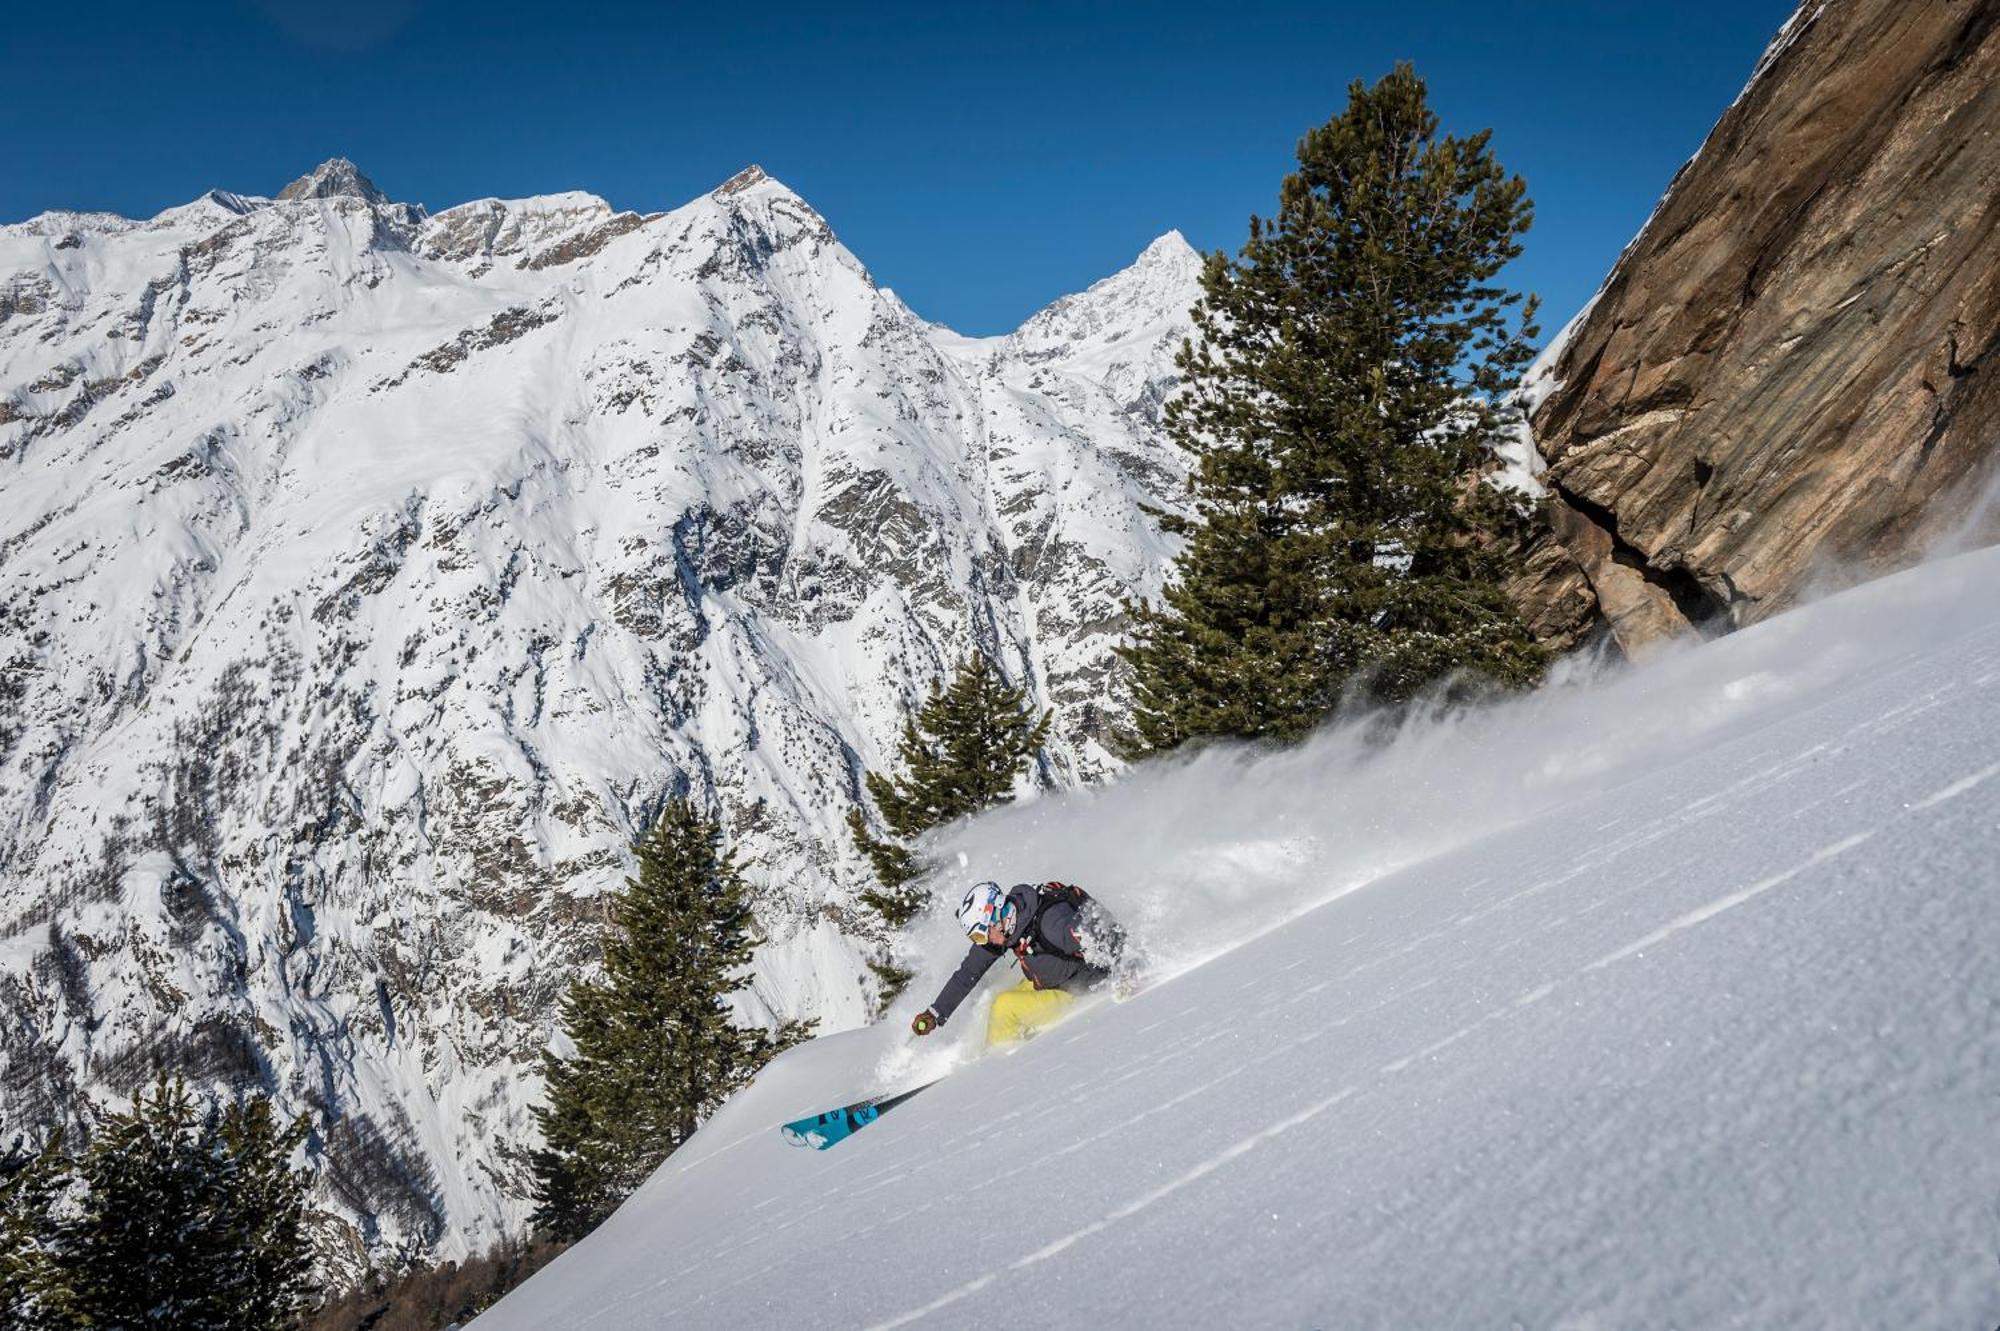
[(368, 577), (1688, 1018)]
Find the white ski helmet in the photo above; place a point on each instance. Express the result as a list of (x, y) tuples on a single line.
[(982, 905)]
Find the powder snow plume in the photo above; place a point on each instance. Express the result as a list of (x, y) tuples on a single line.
[(1200, 854)]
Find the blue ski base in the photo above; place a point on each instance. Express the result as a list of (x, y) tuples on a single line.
[(820, 1131)]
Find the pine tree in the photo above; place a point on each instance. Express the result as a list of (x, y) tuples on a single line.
[(189, 1219), (1341, 397), (144, 1242), (656, 1051), (266, 1281), (580, 1171), (35, 1292), (960, 754)]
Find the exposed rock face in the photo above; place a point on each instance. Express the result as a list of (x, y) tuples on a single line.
[(1786, 377), (335, 178), (367, 579)]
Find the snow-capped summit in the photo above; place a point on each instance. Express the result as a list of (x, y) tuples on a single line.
[(775, 206), (1171, 250), (538, 232), (368, 578), (1137, 304), (334, 178)]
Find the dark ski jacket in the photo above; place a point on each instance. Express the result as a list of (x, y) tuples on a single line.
[(1062, 944)]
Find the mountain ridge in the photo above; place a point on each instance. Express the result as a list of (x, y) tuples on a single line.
[(372, 574)]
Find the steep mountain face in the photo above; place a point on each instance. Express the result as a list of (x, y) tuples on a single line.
[(1786, 375), (369, 577)]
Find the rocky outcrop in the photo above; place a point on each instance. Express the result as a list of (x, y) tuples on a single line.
[(1786, 380)]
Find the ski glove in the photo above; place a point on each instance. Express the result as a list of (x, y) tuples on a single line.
[(924, 1023)]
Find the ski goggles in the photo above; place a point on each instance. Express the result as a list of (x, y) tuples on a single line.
[(999, 922)]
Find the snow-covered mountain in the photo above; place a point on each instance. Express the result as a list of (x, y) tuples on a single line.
[(368, 577), (1666, 999)]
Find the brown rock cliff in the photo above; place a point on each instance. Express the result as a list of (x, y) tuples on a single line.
[(1786, 376)]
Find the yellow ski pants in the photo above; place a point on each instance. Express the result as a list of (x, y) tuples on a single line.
[(1023, 1012)]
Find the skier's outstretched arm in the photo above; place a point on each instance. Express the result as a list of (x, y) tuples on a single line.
[(978, 960)]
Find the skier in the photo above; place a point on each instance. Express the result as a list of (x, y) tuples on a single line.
[(1065, 940)]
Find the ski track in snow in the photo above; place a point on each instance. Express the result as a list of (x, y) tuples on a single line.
[(1732, 901), (1956, 788), (1637, 948), (1706, 1035)]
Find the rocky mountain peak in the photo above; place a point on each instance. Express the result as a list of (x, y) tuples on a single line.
[(754, 203), (754, 186), (334, 178), (742, 180)]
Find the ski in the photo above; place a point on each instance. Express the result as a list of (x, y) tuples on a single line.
[(820, 1131)]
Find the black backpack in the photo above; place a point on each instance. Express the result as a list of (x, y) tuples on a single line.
[(1030, 938)]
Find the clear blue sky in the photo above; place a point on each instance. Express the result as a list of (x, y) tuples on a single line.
[(981, 159)]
